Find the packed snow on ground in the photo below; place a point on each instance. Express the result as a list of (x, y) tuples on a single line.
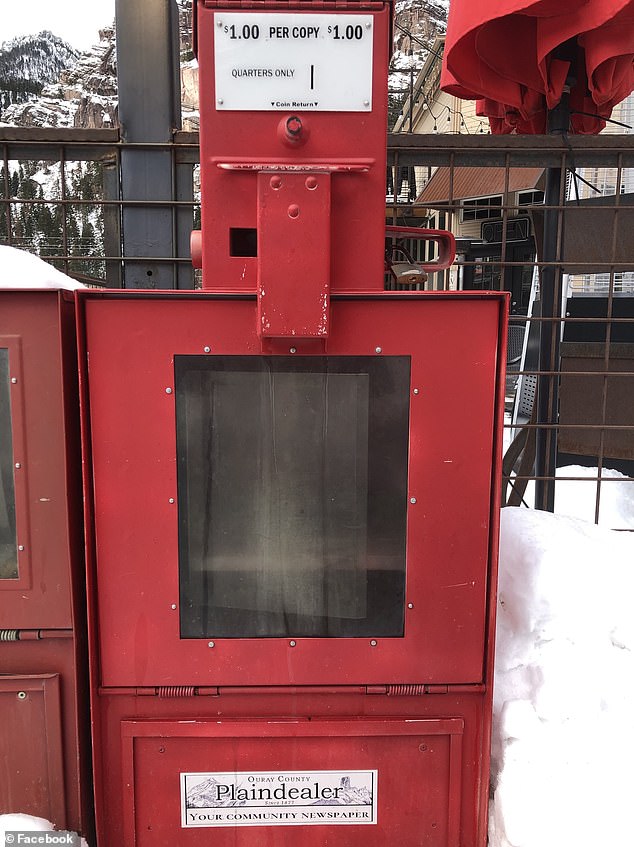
[(20, 269), (563, 738), (25, 823)]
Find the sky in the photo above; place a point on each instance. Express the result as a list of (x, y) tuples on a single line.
[(76, 21)]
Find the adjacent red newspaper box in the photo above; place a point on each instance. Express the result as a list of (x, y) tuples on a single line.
[(44, 731), (292, 484)]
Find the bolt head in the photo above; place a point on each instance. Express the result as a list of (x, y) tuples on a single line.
[(378, 349), (174, 606), (171, 500), (207, 349), (292, 643), (168, 390), (18, 465), (416, 391), (412, 500), (410, 605), (14, 379), (293, 350), (373, 643), (21, 547), (211, 644)]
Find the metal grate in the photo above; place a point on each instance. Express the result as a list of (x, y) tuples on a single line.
[(591, 412)]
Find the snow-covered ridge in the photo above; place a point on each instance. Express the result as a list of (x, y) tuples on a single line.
[(81, 93)]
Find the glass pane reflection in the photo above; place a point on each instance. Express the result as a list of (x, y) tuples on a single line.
[(8, 543), (292, 481)]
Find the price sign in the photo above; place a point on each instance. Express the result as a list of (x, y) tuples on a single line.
[(279, 61)]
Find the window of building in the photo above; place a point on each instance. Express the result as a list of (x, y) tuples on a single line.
[(530, 198), (482, 208)]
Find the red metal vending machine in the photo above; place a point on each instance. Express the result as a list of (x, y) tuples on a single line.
[(44, 734), (292, 484)]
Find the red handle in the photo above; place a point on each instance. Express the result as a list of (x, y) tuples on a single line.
[(445, 239)]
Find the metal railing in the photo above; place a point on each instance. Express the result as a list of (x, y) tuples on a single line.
[(590, 415)]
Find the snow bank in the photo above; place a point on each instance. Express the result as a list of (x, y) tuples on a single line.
[(564, 685), (578, 499), (19, 269), (25, 823)]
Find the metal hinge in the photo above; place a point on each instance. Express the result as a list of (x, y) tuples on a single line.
[(165, 691), (419, 689), (406, 690), (33, 634)]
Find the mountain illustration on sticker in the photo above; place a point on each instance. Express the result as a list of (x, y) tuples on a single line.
[(348, 795), (206, 795)]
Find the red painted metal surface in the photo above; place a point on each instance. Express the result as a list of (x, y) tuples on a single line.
[(44, 608), (293, 283), (292, 245), (163, 705), (428, 750), (449, 475), (348, 145), (32, 749)]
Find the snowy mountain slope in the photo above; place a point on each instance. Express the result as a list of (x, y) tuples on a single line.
[(29, 62), (82, 93)]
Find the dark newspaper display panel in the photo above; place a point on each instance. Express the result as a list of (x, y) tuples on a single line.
[(292, 492)]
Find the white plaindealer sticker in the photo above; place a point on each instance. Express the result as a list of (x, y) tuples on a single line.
[(278, 798)]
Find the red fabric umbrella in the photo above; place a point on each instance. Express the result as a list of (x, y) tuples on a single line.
[(517, 59), (549, 65)]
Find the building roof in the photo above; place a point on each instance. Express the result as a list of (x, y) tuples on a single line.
[(477, 182)]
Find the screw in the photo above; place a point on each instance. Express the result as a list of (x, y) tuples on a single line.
[(168, 390), (171, 500), (21, 695), (292, 643), (412, 500), (219, 23), (173, 605), (220, 101), (21, 548), (161, 749), (416, 391), (293, 350), (378, 349), (14, 379), (211, 644), (373, 643), (410, 605), (368, 25), (207, 349), (366, 102), (18, 465)]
